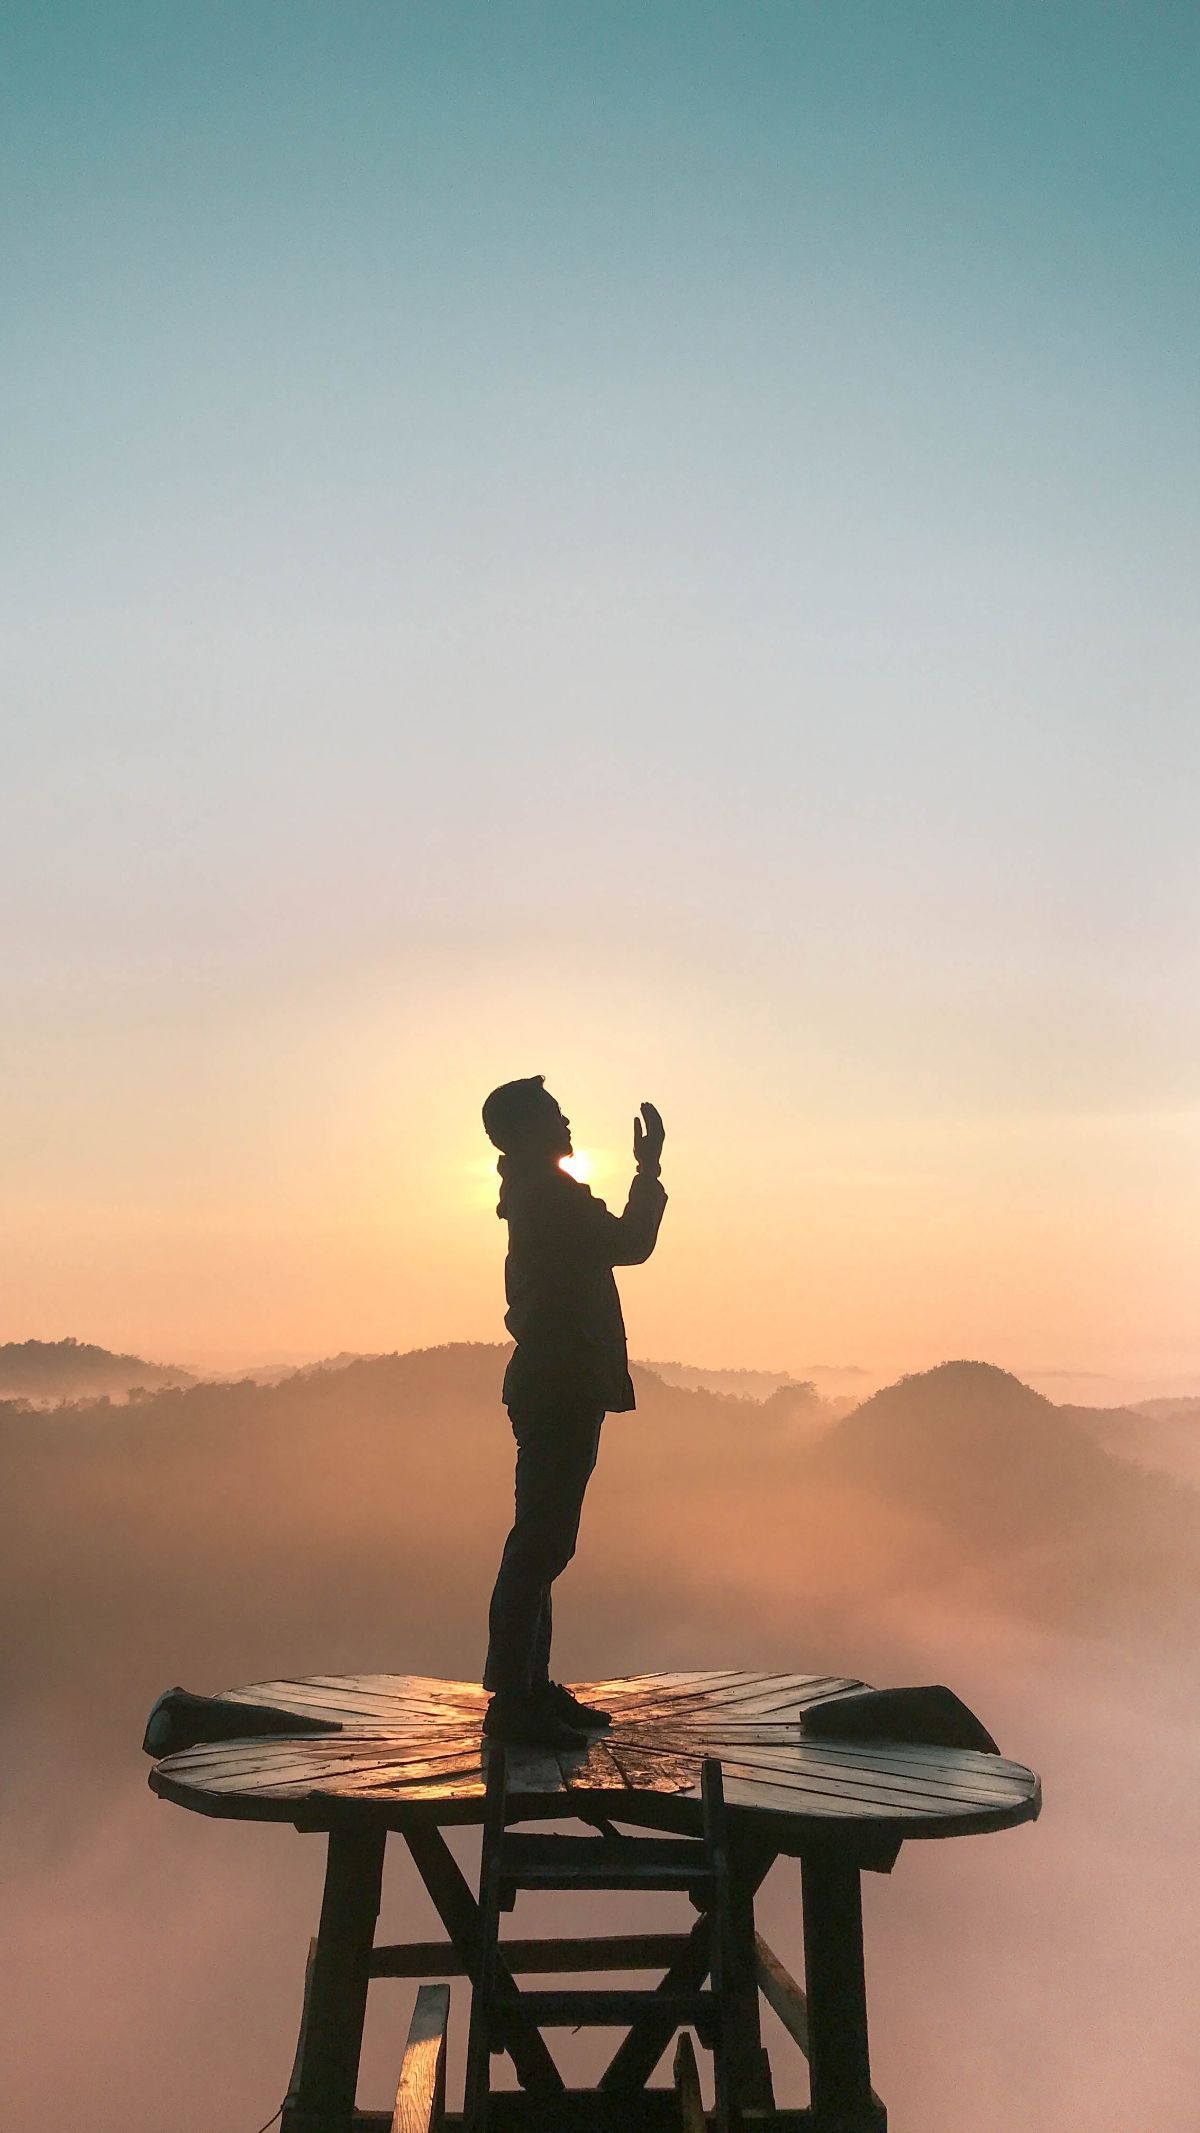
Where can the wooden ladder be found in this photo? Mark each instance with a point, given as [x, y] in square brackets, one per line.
[510, 1861]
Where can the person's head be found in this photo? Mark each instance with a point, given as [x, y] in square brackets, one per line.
[521, 1118]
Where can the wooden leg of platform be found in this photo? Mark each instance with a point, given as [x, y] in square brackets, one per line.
[750, 2067]
[325, 2077]
[835, 1984]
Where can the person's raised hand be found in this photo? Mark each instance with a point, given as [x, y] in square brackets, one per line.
[649, 1134]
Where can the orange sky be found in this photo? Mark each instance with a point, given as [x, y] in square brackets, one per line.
[311, 1176]
[658, 559]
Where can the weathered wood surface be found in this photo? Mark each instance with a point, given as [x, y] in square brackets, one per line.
[410, 1752]
[421, 2092]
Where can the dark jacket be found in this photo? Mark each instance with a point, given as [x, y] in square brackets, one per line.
[563, 1309]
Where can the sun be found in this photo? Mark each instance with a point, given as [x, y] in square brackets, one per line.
[578, 1166]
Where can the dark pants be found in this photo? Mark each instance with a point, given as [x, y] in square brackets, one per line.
[556, 1451]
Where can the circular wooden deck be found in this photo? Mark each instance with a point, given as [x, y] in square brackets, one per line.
[410, 1749]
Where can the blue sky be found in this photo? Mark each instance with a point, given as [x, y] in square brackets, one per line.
[681, 519]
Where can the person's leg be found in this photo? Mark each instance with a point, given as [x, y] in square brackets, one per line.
[539, 1664]
[556, 1454]
[577, 1448]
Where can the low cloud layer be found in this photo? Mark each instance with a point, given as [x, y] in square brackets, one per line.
[953, 1529]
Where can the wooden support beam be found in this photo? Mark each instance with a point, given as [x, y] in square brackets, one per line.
[749, 2064]
[785, 1998]
[325, 2076]
[459, 1913]
[635, 2060]
[687, 2086]
[597, 2009]
[550, 1958]
[843, 2100]
[293, 2087]
[421, 2093]
[781, 1993]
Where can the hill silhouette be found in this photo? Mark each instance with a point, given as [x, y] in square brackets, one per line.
[45, 1371]
[1162, 1436]
[955, 1527]
[971, 1441]
[356, 1510]
[1033, 1500]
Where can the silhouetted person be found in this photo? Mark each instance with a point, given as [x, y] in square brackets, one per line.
[568, 1370]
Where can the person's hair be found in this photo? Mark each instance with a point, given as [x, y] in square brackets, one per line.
[510, 1110]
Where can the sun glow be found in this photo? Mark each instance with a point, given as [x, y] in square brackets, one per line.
[578, 1166]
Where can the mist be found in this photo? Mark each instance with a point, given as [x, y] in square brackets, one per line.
[349, 1520]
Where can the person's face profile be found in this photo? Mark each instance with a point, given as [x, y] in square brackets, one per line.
[558, 1127]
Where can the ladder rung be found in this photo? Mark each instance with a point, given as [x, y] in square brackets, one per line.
[597, 1951]
[606, 2010]
[597, 1863]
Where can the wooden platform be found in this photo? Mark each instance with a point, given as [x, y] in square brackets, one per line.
[410, 1759]
[411, 1751]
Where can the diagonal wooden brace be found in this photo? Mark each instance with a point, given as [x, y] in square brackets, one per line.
[459, 1912]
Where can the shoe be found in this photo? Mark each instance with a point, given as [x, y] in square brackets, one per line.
[585, 1717]
[526, 1722]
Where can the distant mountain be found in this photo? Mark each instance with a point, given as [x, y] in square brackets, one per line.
[355, 1489]
[275, 1373]
[1034, 1502]
[1163, 1436]
[831, 1385]
[967, 1438]
[46, 1371]
[737, 1384]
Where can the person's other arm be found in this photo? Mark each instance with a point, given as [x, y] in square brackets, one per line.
[629, 1238]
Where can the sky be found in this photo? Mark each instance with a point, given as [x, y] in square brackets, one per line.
[648, 544]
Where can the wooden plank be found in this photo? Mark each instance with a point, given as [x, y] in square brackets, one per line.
[916, 1760]
[648, 1771]
[875, 1780]
[535, 1773]
[740, 1690]
[421, 2092]
[286, 1778]
[781, 1993]
[851, 1784]
[596, 2008]
[638, 1684]
[328, 1699]
[594, 1772]
[413, 1741]
[813, 1804]
[287, 2114]
[603, 1953]
[344, 1764]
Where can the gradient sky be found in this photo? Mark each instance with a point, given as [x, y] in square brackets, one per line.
[653, 544]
